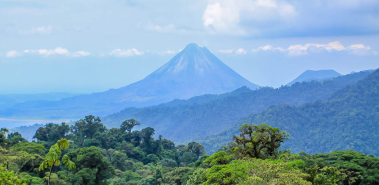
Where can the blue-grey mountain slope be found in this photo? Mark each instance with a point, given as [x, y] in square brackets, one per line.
[310, 75]
[192, 72]
[348, 120]
[202, 116]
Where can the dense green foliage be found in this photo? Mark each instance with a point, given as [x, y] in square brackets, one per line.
[9, 178]
[98, 155]
[186, 120]
[93, 155]
[360, 168]
[348, 120]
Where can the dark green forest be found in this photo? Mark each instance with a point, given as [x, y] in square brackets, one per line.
[89, 153]
[186, 120]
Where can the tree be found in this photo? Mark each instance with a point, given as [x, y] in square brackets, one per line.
[92, 166]
[86, 128]
[149, 145]
[51, 133]
[116, 158]
[257, 141]
[3, 138]
[218, 158]
[32, 148]
[14, 138]
[252, 171]
[16, 160]
[54, 157]
[177, 176]
[196, 148]
[188, 157]
[168, 145]
[128, 125]
[329, 176]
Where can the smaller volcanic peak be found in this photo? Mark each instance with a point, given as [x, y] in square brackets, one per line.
[310, 75]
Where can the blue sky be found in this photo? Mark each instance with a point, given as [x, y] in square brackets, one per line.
[90, 46]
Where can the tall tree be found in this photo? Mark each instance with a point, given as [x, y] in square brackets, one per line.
[87, 127]
[257, 141]
[128, 125]
[54, 157]
[196, 148]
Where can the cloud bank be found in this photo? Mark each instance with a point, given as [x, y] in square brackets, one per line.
[126, 52]
[47, 52]
[298, 49]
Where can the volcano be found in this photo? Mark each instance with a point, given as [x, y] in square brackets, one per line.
[192, 72]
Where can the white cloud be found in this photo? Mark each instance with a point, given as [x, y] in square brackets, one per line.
[48, 52]
[298, 49]
[361, 49]
[357, 49]
[81, 54]
[226, 51]
[125, 52]
[268, 48]
[241, 51]
[224, 16]
[12, 53]
[38, 30]
[359, 46]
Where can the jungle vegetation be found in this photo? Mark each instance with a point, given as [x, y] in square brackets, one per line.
[89, 153]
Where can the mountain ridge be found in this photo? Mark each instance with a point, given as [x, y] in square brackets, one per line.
[348, 120]
[184, 120]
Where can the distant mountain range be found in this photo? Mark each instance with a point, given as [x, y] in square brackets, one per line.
[310, 75]
[192, 72]
[8, 100]
[348, 120]
[186, 120]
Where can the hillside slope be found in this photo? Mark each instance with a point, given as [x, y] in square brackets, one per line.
[206, 115]
[349, 120]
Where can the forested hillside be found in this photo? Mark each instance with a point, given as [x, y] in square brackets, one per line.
[205, 115]
[87, 153]
[349, 120]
